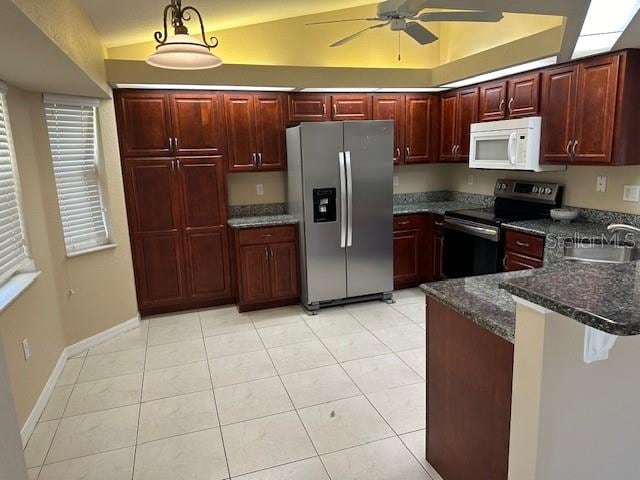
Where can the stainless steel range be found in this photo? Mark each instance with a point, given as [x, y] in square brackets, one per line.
[473, 238]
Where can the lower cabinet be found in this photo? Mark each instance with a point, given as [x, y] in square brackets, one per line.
[469, 380]
[409, 252]
[522, 251]
[437, 248]
[267, 267]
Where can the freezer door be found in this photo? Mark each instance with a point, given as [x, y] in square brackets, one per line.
[322, 153]
[369, 161]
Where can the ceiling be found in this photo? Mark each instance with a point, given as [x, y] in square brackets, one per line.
[122, 22]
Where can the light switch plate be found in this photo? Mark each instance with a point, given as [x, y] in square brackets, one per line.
[631, 193]
[601, 183]
[396, 181]
[260, 189]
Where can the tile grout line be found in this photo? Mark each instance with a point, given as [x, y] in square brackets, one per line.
[144, 365]
[215, 401]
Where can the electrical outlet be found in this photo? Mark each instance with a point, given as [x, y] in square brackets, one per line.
[631, 193]
[25, 349]
[396, 181]
[260, 189]
[470, 180]
[601, 183]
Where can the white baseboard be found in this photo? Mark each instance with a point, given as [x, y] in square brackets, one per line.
[68, 352]
[102, 337]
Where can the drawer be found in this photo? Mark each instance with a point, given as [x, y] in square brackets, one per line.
[253, 236]
[515, 261]
[408, 222]
[530, 245]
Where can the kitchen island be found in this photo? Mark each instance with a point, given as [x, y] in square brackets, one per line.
[510, 394]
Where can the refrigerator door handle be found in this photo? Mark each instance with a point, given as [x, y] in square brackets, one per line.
[343, 201]
[349, 200]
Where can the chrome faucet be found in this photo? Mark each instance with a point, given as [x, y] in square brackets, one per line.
[621, 227]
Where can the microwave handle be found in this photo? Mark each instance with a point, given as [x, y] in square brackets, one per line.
[512, 142]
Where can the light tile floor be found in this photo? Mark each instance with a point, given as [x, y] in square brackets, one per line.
[269, 395]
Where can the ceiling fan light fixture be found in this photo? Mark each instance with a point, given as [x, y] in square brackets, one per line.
[181, 51]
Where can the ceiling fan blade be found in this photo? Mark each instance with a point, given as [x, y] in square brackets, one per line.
[461, 17]
[346, 20]
[357, 34]
[419, 33]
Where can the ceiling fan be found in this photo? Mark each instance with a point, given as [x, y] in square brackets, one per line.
[403, 16]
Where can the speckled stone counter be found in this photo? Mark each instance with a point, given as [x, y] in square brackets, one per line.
[481, 300]
[603, 296]
[438, 207]
[261, 221]
[547, 226]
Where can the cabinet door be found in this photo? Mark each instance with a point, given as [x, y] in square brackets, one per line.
[351, 107]
[270, 132]
[407, 258]
[202, 189]
[144, 124]
[557, 106]
[514, 261]
[284, 270]
[493, 101]
[153, 208]
[198, 124]
[524, 96]
[467, 114]
[597, 94]
[420, 124]
[448, 119]
[241, 141]
[254, 274]
[305, 107]
[391, 107]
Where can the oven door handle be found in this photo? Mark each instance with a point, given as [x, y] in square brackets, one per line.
[488, 233]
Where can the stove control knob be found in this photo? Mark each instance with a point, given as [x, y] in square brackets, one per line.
[547, 191]
[534, 190]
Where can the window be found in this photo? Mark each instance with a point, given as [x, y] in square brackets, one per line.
[71, 123]
[14, 255]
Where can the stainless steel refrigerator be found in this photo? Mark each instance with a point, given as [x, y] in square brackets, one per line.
[340, 188]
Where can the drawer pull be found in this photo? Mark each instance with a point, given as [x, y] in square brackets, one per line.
[522, 244]
[406, 222]
[267, 235]
[438, 224]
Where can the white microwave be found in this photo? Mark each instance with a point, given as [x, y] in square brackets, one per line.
[508, 145]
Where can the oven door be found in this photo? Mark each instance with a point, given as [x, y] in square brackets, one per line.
[470, 248]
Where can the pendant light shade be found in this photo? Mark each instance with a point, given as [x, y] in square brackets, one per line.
[182, 51]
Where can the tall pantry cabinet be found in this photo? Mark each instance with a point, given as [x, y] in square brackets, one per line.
[172, 151]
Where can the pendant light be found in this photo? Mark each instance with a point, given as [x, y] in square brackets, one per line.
[181, 51]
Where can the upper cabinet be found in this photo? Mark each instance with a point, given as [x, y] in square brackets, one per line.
[350, 107]
[512, 98]
[589, 111]
[415, 125]
[169, 124]
[309, 107]
[255, 131]
[458, 110]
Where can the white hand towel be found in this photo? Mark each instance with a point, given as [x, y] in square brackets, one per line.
[597, 344]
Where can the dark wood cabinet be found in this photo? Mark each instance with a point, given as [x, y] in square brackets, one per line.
[391, 107]
[493, 101]
[410, 250]
[522, 251]
[469, 383]
[145, 124]
[309, 107]
[255, 131]
[558, 109]
[351, 107]
[267, 267]
[458, 110]
[198, 124]
[421, 127]
[437, 248]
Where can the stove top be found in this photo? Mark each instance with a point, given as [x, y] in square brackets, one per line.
[491, 216]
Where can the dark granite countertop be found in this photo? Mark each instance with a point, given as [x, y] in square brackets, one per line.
[578, 229]
[261, 221]
[602, 296]
[481, 299]
[438, 207]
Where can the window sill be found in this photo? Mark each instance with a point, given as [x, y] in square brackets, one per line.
[79, 253]
[13, 288]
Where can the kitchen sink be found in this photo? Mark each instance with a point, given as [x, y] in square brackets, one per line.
[601, 252]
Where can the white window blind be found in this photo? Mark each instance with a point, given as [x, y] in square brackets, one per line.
[71, 123]
[14, 257]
